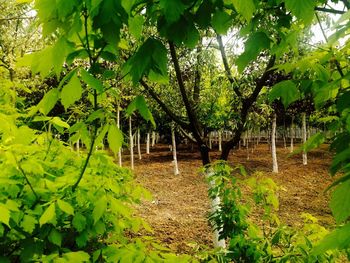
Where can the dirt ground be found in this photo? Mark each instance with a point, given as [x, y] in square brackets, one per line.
[180, 203]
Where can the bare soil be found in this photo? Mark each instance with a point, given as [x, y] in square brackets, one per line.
[178, 211]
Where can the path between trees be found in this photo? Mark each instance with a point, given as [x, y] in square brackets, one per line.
[179, 207]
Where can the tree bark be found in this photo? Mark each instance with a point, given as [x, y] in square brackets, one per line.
[215, 205]
[176, 168]
[292, 135]
[131, 142]
[273, 144]
[153, 138]
[139, 144]
[118, 125]
[147, 143]
[304, 137]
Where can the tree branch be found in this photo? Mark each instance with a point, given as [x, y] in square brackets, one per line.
[227, 68]
[194, 125]
[328, 10]
[165, 108]
[247, 104]
[197, 78]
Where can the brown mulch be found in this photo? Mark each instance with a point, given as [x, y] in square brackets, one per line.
[180, 203]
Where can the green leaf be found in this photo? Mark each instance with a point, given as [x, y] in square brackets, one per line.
[204, 12]
[4, 215]
[77, 257]
[340, 202]
[115, 138]
[79, 222]
[55, 237]
[139, 103]
[71, 92]
[324, 93]
[339, 239]
[57, 121]
[65, 7]
[340, 159]
[28, 223]
[59, 52]
[135, 25]
[343, 102]
[313, 142]
[253, 46]
[48, 101]
[172, 9]
[92, 81]
[286, 90]
[152, 55]
[302, 9]
[65, 207]
[245, 7]
[48, 215]
[99, 209]
[221, 22]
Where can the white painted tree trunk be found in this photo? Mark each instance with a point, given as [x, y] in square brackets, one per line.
[139, 144]
[273, 144]
[292, 135]
[215, 205]
[304, 137]
[147, 143]
[153, 138]
[131, 142]
[220, 140]
[118, 125]
[78, 146]
[247, 146]
[176, 168]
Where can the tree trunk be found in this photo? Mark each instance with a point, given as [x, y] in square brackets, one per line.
[292, 135]
[131, 142]
[139, 144]
[78, 146]
[220, 140]
[147, 143]
[118, 125]
[215, 205]
[176, 168]
[273, 144]
[210, 142]
[304, 137]
[153, 138]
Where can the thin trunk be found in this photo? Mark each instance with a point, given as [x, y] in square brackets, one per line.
[304, 138]
[176, 168]
[147, 143]
[118, 125]
[273, 144]
[153, 138]
[131, 141]
[247, 148]
[210, 142]
[78, 146]
[220, 140]
[139, 144]
[292, 135]
[215, 205]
